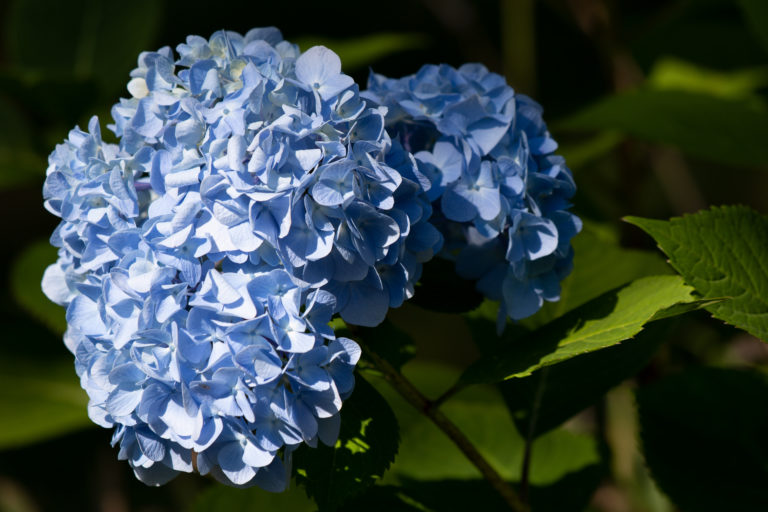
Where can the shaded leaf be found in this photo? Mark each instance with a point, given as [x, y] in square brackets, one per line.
[19, 164]
[367, 444]
[703, 434]
[39, 399]
[383, 498]
[603, 322]
[252, 499]
[89, 38]
[26, 274]
[480, 413]
[361, 52]
[722, 252]
[63, 97]
[756, 16]
[552, 397]
[571, 492]
[706, 126]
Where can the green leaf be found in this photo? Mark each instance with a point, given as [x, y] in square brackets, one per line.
[361, 52]
[722, 252]
[674, 74]
[603, 322]
[253, 499]
[89, 38]
[383, 498]
[600, 264]
[19, 164]
[26, 274]
[367, 445]
[63, 98]
[572, 492]
[579, 155]
[480, 413]
[39, 399]
[549, 398]
[703, 434]
[683, 119]
[756, 16]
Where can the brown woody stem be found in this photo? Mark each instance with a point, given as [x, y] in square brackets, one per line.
[414, 397]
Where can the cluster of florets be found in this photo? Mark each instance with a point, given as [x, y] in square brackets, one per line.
[252, 196]
[500, 195]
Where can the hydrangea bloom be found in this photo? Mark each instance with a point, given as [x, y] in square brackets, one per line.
[253, 195]
[501, 196]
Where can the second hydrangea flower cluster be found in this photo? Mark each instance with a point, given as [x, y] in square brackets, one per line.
[501, 194]
[253, 195]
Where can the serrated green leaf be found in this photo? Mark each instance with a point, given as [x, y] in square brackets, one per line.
[549, 398]
[367, 445]
[600, 264]
[26, 274]
[722, 252]
[683, 119]
[39, 400]
[253, 499]
[703, 434]
[603, 322]
[361, 52]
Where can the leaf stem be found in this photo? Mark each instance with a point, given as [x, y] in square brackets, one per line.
[534, 418]
[414, 397]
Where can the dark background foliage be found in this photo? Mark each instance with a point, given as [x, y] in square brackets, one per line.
[660, 108]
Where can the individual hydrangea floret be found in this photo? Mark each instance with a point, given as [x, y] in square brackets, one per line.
[252, 196]
[501, 196]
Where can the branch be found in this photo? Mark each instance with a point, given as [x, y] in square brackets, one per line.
[408, 391]
[534, 418]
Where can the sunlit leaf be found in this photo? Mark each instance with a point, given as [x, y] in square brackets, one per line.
[546, 399]
[676, 74]
[722, 252]
[603, 322]
[426, 454]
[367, 444]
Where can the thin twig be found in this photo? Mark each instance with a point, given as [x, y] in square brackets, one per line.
[408, 391]
[437, 402]
[532, 421]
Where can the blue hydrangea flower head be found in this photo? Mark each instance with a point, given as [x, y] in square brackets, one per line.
[253, 195]
[500, 194]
